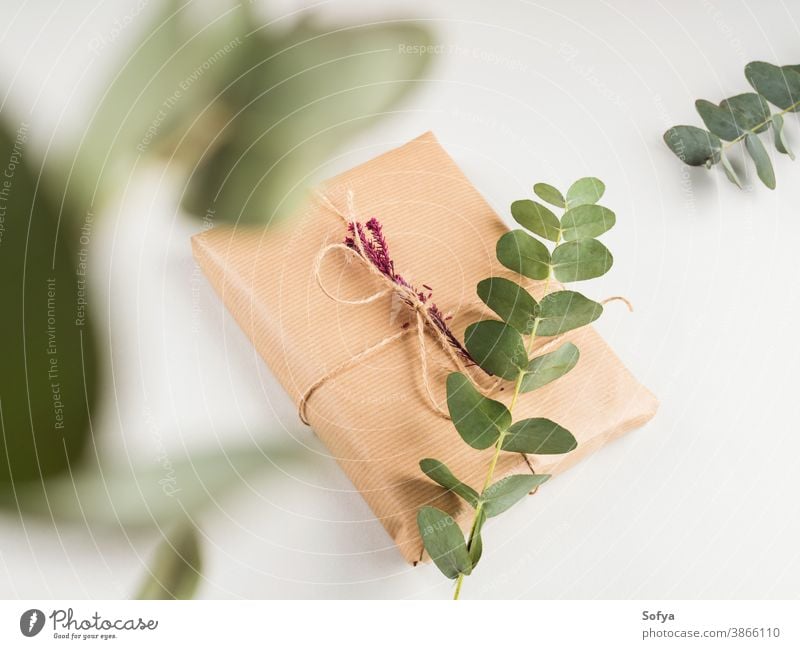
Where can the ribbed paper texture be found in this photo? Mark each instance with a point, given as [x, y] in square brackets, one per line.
[375, 418]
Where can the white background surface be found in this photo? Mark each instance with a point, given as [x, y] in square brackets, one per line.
[701, 503]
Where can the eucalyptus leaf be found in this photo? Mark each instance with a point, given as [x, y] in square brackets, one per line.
[563, 311]
[537, 218]
[750, 112]
[496, 347]
[520, 252]
[779, 86]
[444, 542]
[548, 367]
[586, 221]
[508, 491]
[582, 259]
[719, 121]
[510, 301]
[585, 191]
[49, 384]
[475, 548]
[549, 194]
[780, 139]
[694, 146]
[538, 436]
[755, 147]
[176, 568]
[440, 474]
[478, 419]
[730, 172]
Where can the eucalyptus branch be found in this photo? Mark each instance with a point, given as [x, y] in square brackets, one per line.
[499, 348]
[763, 124]
[741, 119]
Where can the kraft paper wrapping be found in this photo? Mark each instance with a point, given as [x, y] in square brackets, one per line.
[375, 418]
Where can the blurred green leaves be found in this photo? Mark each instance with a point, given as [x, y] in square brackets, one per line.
[142, 495]
[48, 375]
[248, 110]
[176, 568]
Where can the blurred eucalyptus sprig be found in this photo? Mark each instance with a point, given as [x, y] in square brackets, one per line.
[740, 119]
[500, 348]
[247, 109]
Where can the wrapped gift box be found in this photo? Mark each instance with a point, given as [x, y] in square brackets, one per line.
[375, 416]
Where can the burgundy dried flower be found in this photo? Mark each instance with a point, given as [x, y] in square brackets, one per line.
[375, 250]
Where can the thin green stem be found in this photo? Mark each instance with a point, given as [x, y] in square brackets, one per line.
[760, 124]
[498, 447]
[459, 582]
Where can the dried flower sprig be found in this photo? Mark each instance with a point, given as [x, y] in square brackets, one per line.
[372, 246]
[499, 347]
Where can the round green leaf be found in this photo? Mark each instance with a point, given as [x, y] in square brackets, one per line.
[520, 252]
[444, 542]
[549, 194]
[510, 301]
[718, 121]
[439, 473]
[755, 147]
[582, 259]
[548, 367]
[750, 111]
[538, 436]
[694, 146]
[478, 419]
[497, 348]
[562, 311]
[508, 491]
[780, 86]
[585, 191]
[586, 221]
[537, 218]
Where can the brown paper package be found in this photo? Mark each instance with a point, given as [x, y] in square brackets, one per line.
[375, 417]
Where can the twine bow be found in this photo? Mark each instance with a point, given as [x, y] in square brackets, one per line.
[421, 309]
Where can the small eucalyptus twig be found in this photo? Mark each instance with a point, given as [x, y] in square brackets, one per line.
[740, 119]
[499, 347]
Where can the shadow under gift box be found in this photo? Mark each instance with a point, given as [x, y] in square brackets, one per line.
[375, 417]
